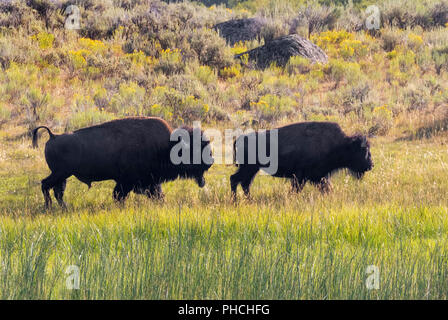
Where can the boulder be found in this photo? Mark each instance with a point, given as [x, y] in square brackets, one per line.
[240, 29]
[283, 48]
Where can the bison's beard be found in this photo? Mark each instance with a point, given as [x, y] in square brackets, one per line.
[357, 174]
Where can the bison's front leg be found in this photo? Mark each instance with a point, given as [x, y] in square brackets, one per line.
[247, 178]
[121, 191]
[155, 192]
[325, 185]
[245, 175]
[246, 185]
[297, 184]
[234, 182]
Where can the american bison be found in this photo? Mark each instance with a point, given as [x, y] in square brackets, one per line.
[135, 152]
[308, 151]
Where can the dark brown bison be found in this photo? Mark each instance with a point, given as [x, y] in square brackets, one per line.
[308, 151]
[135, 152]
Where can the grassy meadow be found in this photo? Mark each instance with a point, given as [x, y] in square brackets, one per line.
[197, 243]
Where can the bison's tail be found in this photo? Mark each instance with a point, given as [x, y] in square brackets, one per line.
[35, 137]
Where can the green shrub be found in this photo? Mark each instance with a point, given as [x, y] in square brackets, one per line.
[391, 38]
[174, 106]
[424, 60]
[45, 40]
[439, 13]
[410, 14]
[414, 41]
[402, 66]
[405, 61]
[273, 30]
[415, 99]
[86, 118]
[272, 108]
[320, 113]
[14, 14]
[381, 120]
[18, 78]
[188, 85]
[129, 100]
[100, 98]
[205, 74]
[320, 18]
[440, 97]
[398, 13]
[100, 21]
[5, 114]
[170, 62]
[276, 82]
[351, 98]
[339, 70]
[182, 26]
[17, 47]
[47, 11]
[35, 104]
[209, 48]
[230, 72]
[351, 19]
[440, 57]
[298, 65]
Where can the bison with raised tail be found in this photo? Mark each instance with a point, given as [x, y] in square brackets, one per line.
[302, 152]
[135, 152]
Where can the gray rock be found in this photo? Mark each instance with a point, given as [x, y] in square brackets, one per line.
[240, 29]
[283, 48]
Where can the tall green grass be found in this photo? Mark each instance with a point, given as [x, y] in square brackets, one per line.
[198, 245]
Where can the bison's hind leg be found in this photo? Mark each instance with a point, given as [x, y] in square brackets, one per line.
[53, 180]
[121, 191]
[58, 190]
[46, 192]
[152, 191]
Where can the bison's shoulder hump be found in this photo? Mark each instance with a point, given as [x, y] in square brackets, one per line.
[313, 127]
[324, 128]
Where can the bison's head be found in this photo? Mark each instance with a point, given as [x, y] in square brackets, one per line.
[360, 158]
[191, 153]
